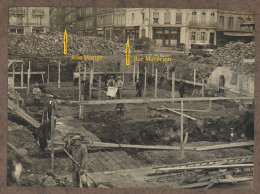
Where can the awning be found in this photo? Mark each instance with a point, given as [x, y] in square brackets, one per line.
[238, 34]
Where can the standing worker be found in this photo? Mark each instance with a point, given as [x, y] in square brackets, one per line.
[119, 85]
[111, 88]
[139, 88]
[181, 89]
[79, 153]
[37, 94]
[51, 106]
[76, 78]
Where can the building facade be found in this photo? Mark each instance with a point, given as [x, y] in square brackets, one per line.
[230, 26]
[24, 20]
[87, 21]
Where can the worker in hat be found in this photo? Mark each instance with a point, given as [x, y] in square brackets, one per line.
[51, 106]
[111, 82]
[119, 85]
[36, 94]
[79, 153]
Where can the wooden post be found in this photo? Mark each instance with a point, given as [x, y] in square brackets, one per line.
[152, 69]
[194, 76]
[42, 78]
[182, 146]
[91, 80]
[22, 76]
[134, 74]
[80, 111]
[186, 137]
[123, 78]
[155, 84]
[137, 71]
[167, 73]
[173, 84]
[145, 110]
[210, 105]
[59, 76]
[79, 83]
[99, 87]
[203, 88]
[52, 140]
[28, 78]
[48, 80]
[85, 72]
[13, 73]
[145, 78]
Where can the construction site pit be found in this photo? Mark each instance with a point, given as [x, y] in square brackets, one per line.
[140, 125]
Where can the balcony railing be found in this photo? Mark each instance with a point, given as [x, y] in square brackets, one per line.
[17, 10]
[237, 28]
[203, 24]
[38, 12]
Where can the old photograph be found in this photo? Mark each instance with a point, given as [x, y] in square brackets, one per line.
[130, 98]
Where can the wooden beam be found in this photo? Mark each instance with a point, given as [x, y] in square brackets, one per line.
[145, 79]
[180, 113]
[203, 88]
[167, 72]
[186, 137]
[194, 76]
[203, 167]
[99, 87]
[48, 80]
[134, 74]
[85, 72]
[155, 84]
[33, 72]
[59, 76]
[22, 76]
[149, 100]
[152, 147]
[182, 148]
[173, 84]
[52, 140]
[223, 146]
[138, 71]
[28, 78]
[79, 82]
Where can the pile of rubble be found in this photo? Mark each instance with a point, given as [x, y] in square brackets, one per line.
[52, 45]
[231, 54]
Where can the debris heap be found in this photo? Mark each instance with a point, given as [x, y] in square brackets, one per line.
[231, 54]
[51, 45]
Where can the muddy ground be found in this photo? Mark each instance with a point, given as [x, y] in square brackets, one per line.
[102, 121]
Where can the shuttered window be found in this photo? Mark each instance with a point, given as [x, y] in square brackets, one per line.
[178, 18]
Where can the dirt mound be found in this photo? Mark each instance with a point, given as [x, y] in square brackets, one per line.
[24, 139]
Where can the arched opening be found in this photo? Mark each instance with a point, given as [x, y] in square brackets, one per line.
[221, 81]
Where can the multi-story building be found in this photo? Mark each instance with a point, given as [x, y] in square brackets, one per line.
[87, 21]
[230, 26]
[23, 20]
[105, 23]
[70, 19]
[202, 24]
[56, 19]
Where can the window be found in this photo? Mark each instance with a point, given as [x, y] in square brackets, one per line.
[132, 18]
[203, 17]
[193, 36]
[203, 36]
[156, 17]
[19, 20]
[38, 20]
[194, 16]
[212, 18]
[178, 18]
[167, 18]
[230, 22]
[221, 21]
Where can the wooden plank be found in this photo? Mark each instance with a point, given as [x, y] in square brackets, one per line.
[114, 145]
[195, 185]
[173, 84]
[189, 117]
[223, 146]
[155, 84]
[203, 167]
[23, 114]
[145, 80]
[149, 100]
[134, 74]
[235, 180]
[33, 72]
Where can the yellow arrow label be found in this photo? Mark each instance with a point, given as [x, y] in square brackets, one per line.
[65, 41]
[127, 53]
